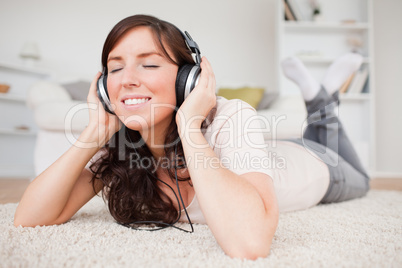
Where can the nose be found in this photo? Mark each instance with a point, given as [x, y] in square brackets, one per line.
[130, 78]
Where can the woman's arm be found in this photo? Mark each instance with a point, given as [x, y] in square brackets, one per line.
[63, 188]
[241, 211]
[57, 193]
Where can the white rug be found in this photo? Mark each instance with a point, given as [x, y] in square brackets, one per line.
[365, 232]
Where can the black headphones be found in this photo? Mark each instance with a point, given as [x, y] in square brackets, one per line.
[187, 77]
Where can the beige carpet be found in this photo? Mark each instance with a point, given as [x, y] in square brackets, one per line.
[365, 232]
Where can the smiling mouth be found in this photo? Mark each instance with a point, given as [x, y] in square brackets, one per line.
[135, 101]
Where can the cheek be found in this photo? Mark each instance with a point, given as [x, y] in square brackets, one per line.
[171, 91]
[112, 87]
[166, 87]
[172, 84]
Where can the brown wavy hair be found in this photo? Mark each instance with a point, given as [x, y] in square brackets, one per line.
[132, 193]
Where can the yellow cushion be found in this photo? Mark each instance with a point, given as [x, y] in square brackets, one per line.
[251, 95]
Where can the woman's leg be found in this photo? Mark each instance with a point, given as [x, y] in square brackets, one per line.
[324, 127]
[329, 140]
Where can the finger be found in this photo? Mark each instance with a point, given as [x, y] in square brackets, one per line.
[208, 75]
[93, 100]
[208, 68]
[93, 87]
[204, 77]
[211, 76]
[207, 64]
[212, 84]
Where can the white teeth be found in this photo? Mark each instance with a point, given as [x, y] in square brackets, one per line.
[135, 101]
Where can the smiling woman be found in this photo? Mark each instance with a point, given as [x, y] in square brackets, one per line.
[141, 79]
[139, 65]
[151, 147]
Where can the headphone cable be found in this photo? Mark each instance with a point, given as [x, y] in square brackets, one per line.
[166, 225]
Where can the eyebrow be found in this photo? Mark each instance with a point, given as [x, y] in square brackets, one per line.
[142, 55]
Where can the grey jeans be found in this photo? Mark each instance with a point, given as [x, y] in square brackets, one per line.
[326, 137]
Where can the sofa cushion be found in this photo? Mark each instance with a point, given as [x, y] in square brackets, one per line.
[267, 100]
[78, 90]
[250, 95]
[45, 92]
[285, 118]
[67, 116]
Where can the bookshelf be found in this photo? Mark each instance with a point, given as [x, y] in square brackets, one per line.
[17, 126]
[343, 26]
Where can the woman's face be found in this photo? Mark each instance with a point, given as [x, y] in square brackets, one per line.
[141, 82]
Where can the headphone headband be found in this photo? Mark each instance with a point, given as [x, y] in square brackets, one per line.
[191, 44]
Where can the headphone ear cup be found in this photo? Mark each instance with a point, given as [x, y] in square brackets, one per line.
[181, 81]
[186, 80]
[103, 95]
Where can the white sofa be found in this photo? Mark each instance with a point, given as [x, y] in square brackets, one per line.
[286, 117]
[60, 119]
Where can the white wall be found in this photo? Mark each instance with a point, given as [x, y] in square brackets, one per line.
[236, 35]
[388, 68]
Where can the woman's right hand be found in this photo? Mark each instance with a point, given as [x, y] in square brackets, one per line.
[65, 186]
[104, 123]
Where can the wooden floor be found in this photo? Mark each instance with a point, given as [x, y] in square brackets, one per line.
[11, 190]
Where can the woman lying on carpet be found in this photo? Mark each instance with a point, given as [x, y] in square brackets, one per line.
[213, 145]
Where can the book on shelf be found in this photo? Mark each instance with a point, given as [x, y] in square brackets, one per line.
[347, 83]
[359, 81]
[366, 86]
[296, 9]
[288, 13]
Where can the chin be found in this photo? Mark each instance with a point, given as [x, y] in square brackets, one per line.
[136, 124]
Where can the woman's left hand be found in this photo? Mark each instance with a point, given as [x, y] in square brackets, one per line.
[199, 102]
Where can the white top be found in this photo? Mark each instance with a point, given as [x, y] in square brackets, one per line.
[300, 178]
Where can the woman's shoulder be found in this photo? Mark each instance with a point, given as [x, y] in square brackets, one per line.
[231, 107]
[234, 113]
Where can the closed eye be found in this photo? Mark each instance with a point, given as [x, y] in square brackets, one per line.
[115, 70]
[151, 66]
